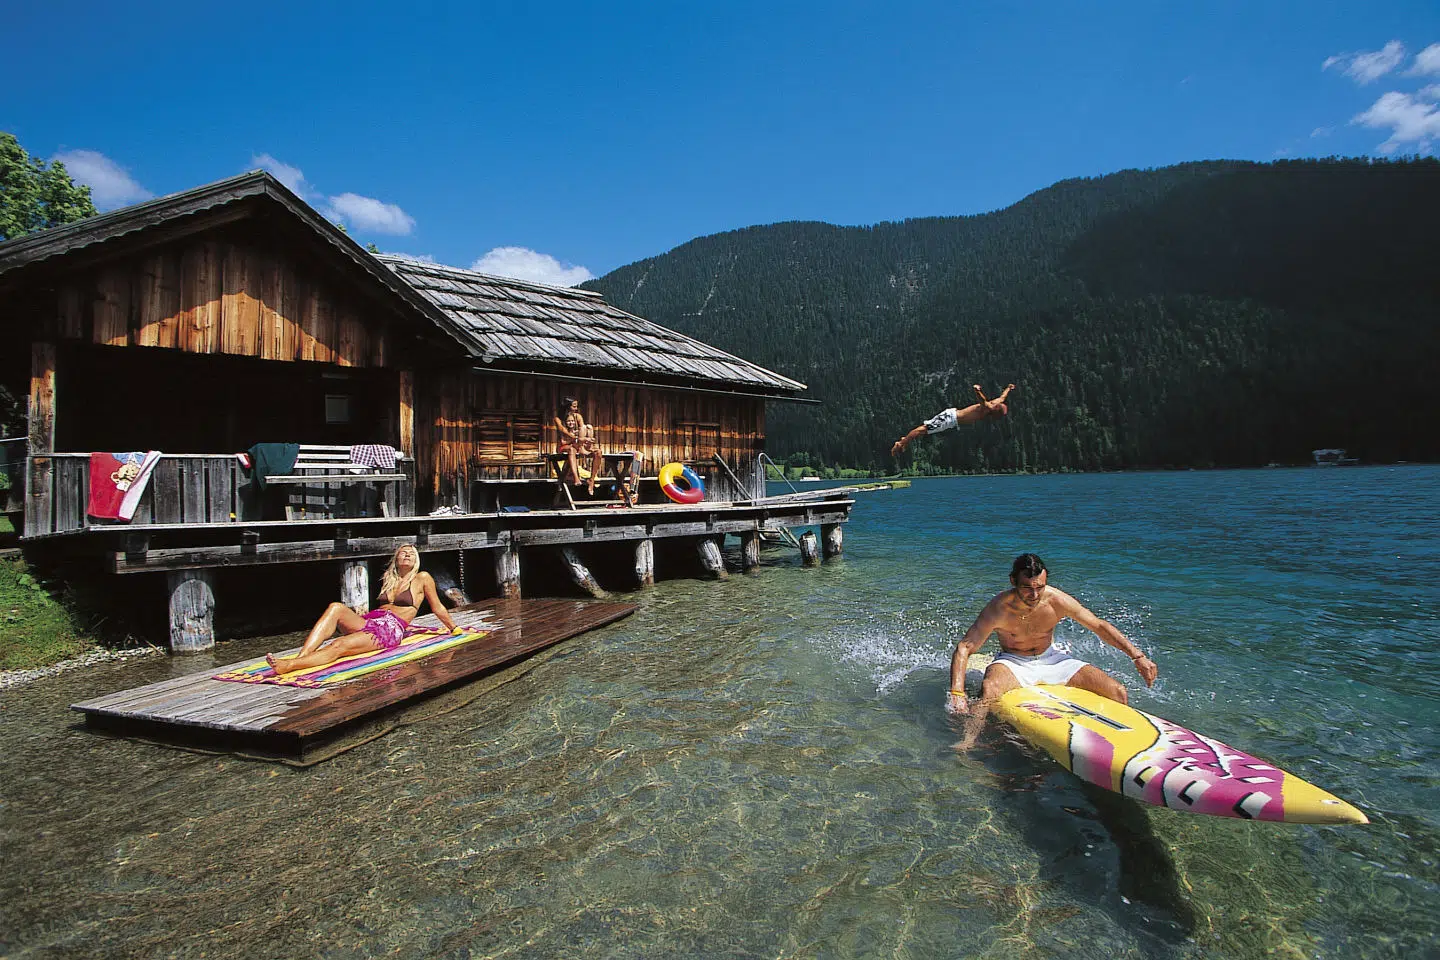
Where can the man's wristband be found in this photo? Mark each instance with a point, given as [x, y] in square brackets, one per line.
[1138, 657]
[957, 693]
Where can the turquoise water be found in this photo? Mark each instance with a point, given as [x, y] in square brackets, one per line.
[761, 767]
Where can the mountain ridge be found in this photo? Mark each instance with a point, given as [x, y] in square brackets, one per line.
[1167, 317]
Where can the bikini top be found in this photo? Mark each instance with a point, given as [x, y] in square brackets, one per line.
[405, 599]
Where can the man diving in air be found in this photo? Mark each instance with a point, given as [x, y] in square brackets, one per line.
[952, 417]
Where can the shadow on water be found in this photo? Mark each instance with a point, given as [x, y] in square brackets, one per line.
[1100, 847]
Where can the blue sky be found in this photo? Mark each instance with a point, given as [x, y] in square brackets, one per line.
[561, 140]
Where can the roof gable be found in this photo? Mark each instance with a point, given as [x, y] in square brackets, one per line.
[517, 323]
[194, 211]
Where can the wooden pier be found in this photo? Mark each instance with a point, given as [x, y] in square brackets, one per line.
[288, 722]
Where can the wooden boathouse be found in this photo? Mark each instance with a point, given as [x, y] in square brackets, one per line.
[201, 324]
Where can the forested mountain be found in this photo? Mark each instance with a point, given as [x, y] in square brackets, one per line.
[1208, 314]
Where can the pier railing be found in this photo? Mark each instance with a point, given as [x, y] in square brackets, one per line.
[188, 488]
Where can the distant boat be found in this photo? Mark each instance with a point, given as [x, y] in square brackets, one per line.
[1333, 457]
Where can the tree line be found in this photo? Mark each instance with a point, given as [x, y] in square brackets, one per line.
[1207, 314]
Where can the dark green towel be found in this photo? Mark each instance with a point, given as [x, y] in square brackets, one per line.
[271, 459]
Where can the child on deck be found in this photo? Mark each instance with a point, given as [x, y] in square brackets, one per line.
[577, 440]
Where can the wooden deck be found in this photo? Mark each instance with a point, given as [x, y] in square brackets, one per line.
[287, 721]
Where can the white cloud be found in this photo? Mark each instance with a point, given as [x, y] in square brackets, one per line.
[1431, 92]
[367, 213]
[1427, 62]
[1321, 132]
[525, 264]
[1409, 119]
[292, 177]
[1369, 66]
[110, 184]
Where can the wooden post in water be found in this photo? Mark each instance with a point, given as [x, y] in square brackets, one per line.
[711, 558]
[750, 550]
[355, 585]
[507, 571]
[192, 610]
[645, 563]
[832, 539]
[809, 549]
[581, 574]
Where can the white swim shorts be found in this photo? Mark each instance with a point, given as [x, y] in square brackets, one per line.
[942, 421]
[1053, 666]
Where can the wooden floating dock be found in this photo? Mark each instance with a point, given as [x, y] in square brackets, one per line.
[289, 721]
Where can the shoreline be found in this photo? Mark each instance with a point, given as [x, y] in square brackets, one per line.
[1062, 473]
[10, 679]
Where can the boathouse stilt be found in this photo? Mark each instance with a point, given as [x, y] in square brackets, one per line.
[832, 540]
[809, 549]
[507, 571]
[355, 585]
[711, 558]
[645, 563]
[581, 574]
[192, 610]
[750, 550]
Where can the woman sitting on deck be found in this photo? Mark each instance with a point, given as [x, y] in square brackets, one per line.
[577, 440]
[403, 588]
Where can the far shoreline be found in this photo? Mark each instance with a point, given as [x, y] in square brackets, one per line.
[877, 478]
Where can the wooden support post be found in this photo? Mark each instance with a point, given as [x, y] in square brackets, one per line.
[40, 479]
[192, 610]
[833, 539]
[645, 563]
[750, 550]
[711, 558]
[355, 585]
[407, 413]
[507, 571]
[809, 549]
[446, 582]
[582, 576]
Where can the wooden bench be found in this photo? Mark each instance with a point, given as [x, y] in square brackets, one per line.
[323, 465]
[617, 465]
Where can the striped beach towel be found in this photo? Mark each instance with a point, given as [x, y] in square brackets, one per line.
[412, 648]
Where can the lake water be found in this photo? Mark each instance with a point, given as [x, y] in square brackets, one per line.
[761, 767]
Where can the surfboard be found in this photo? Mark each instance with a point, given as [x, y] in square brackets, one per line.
[1159, 762]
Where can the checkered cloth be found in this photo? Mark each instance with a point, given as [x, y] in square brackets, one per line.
[378, 455]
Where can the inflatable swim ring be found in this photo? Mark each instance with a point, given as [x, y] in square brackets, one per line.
[693, 490]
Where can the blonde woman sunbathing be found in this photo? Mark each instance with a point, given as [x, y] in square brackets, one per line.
[403, 588]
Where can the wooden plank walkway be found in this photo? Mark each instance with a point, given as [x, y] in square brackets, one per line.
[288, 720]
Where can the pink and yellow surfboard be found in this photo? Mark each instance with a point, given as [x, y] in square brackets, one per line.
[1155, 761]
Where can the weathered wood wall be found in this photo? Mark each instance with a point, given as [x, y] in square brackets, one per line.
[229, 295]
[462, 433]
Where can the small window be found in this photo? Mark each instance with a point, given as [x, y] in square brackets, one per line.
[508, 435]
[337, 408]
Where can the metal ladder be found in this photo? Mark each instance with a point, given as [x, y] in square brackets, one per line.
[780, 534]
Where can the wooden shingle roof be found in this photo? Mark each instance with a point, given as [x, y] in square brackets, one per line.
[517, 324]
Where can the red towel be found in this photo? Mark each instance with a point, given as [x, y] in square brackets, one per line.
[116, 482]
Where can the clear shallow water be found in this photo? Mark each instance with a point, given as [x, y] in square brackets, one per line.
[761, 768]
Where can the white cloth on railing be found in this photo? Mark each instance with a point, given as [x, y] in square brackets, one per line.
[378, 455]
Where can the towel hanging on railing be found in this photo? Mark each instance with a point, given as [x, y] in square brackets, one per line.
[116, 482]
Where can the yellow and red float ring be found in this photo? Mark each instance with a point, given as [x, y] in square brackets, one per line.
[672, 475]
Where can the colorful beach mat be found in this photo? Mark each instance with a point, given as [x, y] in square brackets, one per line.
[348, 668]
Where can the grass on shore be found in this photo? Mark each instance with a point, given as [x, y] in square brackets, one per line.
[36, 629]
